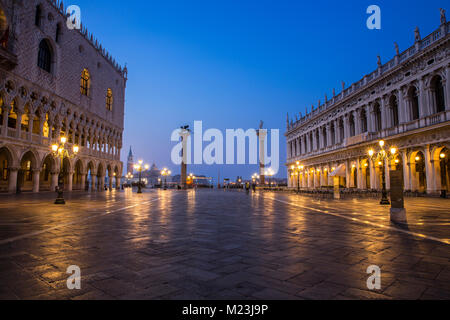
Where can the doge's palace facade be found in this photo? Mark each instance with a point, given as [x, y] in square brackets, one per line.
[56, 82]
[405, 102]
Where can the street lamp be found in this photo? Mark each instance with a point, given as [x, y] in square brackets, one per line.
[165, 173]
[139, 167]
[381, 157]
[270, 173]
[296, 170]
[58, 151]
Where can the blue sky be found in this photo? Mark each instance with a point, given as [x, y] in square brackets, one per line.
[233, 63]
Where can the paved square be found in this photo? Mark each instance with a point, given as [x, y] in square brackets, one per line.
[216, 244]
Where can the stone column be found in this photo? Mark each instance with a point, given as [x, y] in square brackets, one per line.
[93, 182]
[429, 171]
[336, 132]
[359, 178]
[83, 182]
[110, 180]
[347, 174]
[373, 175]
[424, 108]
[19, 124]
[357, 118]
[406, 170]
[36, 176]
[371, 121]
[30, 126]
[384, 113]
[54, 180]
[12, 181]
[387, 168]
[117, 182]
[403, 111]
[346, 127]
[262, 134]
[69, 181]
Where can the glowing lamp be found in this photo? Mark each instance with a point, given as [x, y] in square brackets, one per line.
[382, 143]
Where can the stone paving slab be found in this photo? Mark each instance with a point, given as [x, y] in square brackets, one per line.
[216, 244]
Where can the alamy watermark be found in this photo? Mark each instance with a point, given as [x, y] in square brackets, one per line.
[231, 150]
[374, 280]
[74, 280]
[374, 21]
[73, 13]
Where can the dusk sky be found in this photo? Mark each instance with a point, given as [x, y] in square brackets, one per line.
[234, 63]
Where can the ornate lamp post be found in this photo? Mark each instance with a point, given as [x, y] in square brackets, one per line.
[381, 157]
[269, 173]
[138, 167]
[59, 151]
[296, 171]
[165, 173]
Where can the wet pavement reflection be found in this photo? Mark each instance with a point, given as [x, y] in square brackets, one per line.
[217, 244]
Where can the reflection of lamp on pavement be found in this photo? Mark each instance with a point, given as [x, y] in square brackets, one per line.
[59, 151]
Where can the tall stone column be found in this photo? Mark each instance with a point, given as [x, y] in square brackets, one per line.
[403, 111]
[36, 176]
[12, 181]
[262, 134]
[117, 182]
[336, 132]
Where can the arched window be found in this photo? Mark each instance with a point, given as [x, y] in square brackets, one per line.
[109, 100]
[414, 100]
[85, 82]
[45, 56]
[394, 110]
[438, 92]
[363, 121]
[352, 125]
[311, 142]
[377, 114]
[12, 117]
[38, 16]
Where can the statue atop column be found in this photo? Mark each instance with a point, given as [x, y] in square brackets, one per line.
[417, 34]
[379, 61]
[443, 18]
[397, 50]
